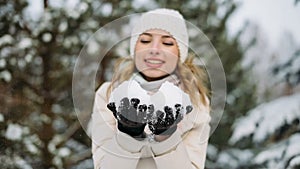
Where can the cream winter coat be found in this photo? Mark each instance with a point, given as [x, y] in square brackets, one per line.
[112, 149]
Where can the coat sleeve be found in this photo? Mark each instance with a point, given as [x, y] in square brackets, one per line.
[108, 146]
[188, 149]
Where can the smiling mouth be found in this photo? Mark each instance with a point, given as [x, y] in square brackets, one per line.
[154, 61]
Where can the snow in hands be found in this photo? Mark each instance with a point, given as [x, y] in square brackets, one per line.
[162, 111]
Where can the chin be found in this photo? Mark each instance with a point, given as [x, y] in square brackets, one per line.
[154, 74]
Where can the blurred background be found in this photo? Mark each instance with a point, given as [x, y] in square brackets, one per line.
[258, 43]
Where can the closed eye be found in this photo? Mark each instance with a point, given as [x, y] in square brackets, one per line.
[168, 40]
[144, 41]
[168, 43]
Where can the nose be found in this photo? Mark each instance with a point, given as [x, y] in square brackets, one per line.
[155, 47]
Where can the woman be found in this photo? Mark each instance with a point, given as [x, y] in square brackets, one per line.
[133, 133]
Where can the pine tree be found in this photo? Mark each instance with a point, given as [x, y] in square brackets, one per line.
[37, 61]
[268, 135]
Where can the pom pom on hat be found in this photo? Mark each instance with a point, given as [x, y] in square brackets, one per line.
[168, 20]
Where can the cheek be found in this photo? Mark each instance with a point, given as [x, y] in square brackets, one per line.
[139, 63]
[172, 65]
[172, 60]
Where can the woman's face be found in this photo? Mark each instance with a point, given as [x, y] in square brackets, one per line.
[156, 54]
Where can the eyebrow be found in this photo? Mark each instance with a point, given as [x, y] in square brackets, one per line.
[163, 36]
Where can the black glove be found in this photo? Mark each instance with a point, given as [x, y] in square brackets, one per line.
[165, 122]
[131, 116]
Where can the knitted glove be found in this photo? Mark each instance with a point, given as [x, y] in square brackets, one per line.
[131, 116]
[165, 122]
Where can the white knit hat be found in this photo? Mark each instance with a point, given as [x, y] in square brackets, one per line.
[165, 19]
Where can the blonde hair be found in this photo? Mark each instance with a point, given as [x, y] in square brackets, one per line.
[191, 76]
